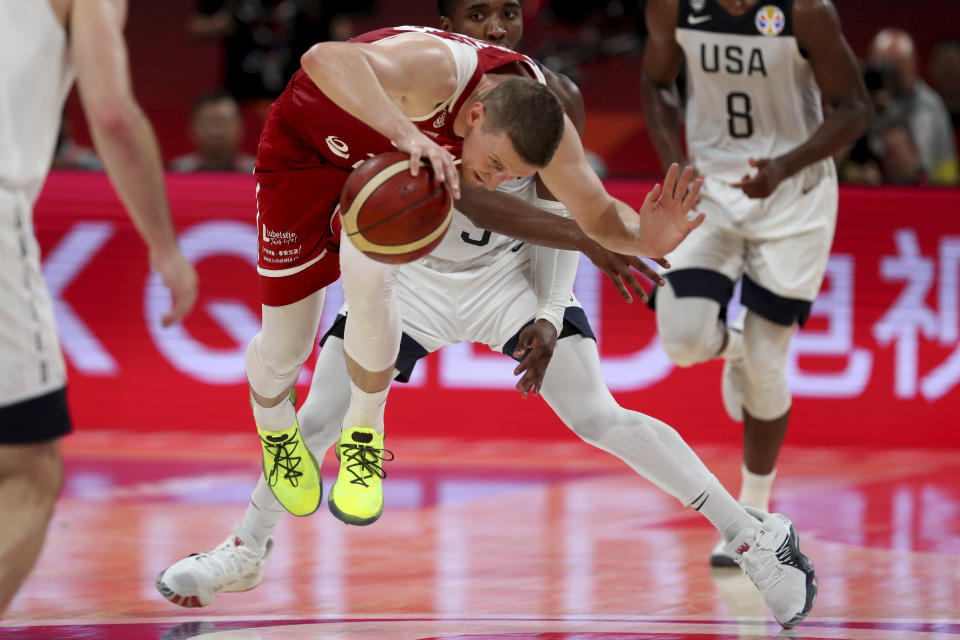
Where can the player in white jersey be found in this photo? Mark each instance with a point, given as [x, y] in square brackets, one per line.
[44, 45]
[485, 288]
[756, 73]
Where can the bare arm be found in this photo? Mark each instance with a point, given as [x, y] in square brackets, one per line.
[817, 28]
[659, 226]
[502, 213]
[570, 97]
[384, 84]
[125, 140]
[662, 58]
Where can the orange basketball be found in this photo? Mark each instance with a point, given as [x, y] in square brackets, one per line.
[391, 215]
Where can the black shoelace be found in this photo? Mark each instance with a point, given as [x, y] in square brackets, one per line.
[364, 461]
[282, 448]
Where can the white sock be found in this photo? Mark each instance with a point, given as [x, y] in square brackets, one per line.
[725, 513]
[366, 408]
[276, 418]
[262, 516]
[755, 488]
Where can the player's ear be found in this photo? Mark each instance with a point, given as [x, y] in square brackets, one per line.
[475, 114]
[445, 23]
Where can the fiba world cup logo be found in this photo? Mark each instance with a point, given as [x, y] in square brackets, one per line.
[770, 20]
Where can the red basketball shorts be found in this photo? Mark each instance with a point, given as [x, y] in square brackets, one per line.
[298, 232]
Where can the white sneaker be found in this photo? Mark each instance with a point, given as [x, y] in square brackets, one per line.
[232, 566]
[733, 379]
[719, 557]
[770, 556]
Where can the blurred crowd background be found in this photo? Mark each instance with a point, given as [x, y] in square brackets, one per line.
[207, 70]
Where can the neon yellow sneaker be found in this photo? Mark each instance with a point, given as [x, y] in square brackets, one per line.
[357, 495]
[291, 471]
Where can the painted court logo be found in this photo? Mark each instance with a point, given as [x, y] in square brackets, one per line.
[770, 20]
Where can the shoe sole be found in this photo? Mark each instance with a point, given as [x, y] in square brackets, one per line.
[806, 565]
[189, 602]
[346, 517]
[723, 561]
[194, 601]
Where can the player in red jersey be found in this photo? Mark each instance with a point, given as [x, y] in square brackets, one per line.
[433, 95]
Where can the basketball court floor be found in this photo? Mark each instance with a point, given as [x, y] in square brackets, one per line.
[503, 540]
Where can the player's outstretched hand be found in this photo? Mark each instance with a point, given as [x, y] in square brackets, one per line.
[537, 341]
[770, 173]
[420, 147]
[620, 267]
[663, 217]
[180, 278]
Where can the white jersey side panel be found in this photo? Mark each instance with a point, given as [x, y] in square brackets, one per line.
[748, 96]
[35, 78]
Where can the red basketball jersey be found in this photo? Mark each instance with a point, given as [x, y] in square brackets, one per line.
[306, 129]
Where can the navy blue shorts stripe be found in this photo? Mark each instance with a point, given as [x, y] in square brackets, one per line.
[701, 283]
[574, 323]
[777, 309]
[35, 420]
[704, 283]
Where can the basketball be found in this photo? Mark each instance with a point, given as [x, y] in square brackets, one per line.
[393, 216]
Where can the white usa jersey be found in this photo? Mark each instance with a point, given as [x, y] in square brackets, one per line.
[751, 92]
[35, 78]
[467, 246]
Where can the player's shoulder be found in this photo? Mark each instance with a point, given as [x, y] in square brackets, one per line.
[813, 11]
[814, 21]
[812, 6]
[565, 88]
[425, 37]
[661, 15]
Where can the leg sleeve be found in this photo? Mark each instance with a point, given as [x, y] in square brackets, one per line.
[689, 326]
[574, 389]
[372, 334]
[285, 341]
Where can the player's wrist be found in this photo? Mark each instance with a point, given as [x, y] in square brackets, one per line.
[552, 315]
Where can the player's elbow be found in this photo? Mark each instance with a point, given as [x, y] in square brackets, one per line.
[861, 116]
[113, 115]
[653, 85]
[857, 115]
[319, 56]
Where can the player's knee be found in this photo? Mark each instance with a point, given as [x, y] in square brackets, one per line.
[768, 401]
[592, 426]
[588, 429]
[685, 349]
[767, 346]
[767, 392]
[38, 471]
[270, 372]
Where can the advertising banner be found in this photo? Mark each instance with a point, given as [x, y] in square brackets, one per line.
[878, 363]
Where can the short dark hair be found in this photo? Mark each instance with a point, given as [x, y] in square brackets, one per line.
[212, 97]
[445, 8]
[531, 116]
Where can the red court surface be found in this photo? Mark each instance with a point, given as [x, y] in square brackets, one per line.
[498, 539]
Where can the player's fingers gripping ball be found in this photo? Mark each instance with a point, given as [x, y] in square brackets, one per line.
[393, 216]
